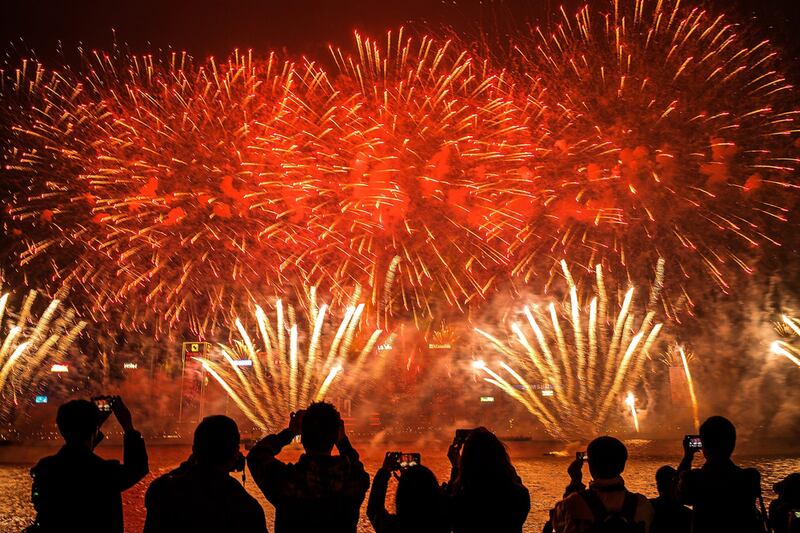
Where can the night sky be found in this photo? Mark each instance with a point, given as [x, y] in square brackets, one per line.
[207, 27]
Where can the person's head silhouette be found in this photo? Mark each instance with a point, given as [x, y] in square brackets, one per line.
[665, 481]
[320, 428]
[79, 422]
[418, 498]
[719, 437]
[216, 442]
[607, 457]
[484, 461]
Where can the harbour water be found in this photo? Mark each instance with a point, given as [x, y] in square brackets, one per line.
[543, 472]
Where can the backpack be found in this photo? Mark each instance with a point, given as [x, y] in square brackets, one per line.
[605, 521]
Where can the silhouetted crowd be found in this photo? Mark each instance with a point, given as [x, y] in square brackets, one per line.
[76, 490]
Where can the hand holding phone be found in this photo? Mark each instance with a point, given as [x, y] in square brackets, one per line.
[296, 422]
[122, 413]
[462, 435]
[575, 468]
[399, 461]
[692, 443]
[454, 451]
[104, 405]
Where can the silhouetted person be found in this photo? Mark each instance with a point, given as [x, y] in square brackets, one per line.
[670, 515]
[722, 495]
[784, 511]
[606, 505]
[419, 502]
[321, 492]
[77, 490]
[486, 494]
[200, 495]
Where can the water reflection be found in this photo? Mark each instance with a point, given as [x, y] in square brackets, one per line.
[545, 477]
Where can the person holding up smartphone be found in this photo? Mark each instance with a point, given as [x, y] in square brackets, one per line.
[419, 502]
[77, 490]
[484, 490]
[321, 491]
[723, 495]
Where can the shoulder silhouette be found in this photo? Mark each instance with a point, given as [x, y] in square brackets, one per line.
[723, 496]
[485, 492]
[200, 495]
[77, 490]
[419, 500]
[321, 492]
[606, 506]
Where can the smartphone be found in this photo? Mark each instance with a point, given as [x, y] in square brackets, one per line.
[103, 403]
[462, 435]
[581, 456]
[695, 442]
[403, 461]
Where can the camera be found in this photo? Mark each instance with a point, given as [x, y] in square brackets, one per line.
[695, 442]
[402, 461]
[581, 456]
[462, 435]
[103, 403]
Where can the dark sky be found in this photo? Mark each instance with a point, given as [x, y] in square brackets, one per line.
[206, 27]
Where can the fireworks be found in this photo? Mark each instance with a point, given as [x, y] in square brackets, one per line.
[784, 348]
[29, 344]
[180, 186]
[294, 362]
[677, 357]
[587, 364]
[171, 190]
[172, 184]
[630, 401]
[671, 134]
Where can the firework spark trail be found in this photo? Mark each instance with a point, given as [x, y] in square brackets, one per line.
[29, 342]
[630, 401]
[786, 349]
[578, 406]
[692, 394]
[290, 377]
[790, 353]
[671, 132]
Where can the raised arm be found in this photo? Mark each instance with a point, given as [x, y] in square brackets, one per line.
[575, 471]
[359, 479]
[266, 469]
[378, 516]
[135, 463]
[453, 455]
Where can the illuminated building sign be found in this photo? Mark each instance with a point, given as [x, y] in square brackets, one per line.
[434, 346]
[487, 399]
[130, 366]
[548, 392]
[194, 349]
[59, 368]
[242, 362]
[40, 399]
